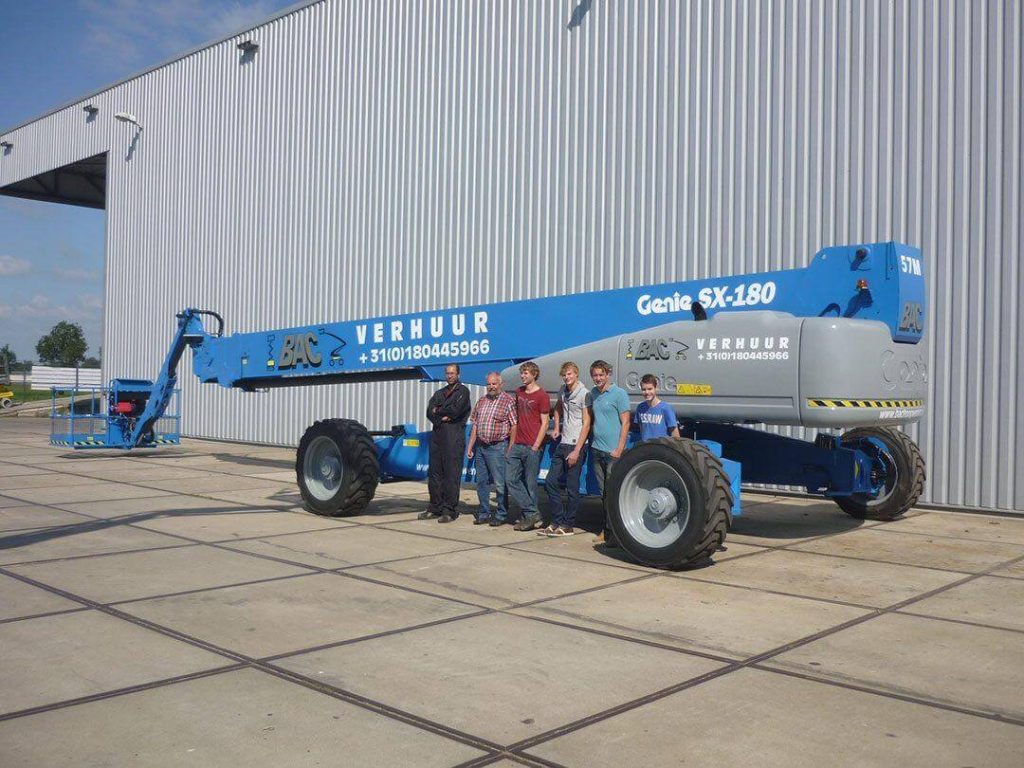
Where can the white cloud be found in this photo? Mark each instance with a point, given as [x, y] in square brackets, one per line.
[132, 34]
[10, 266]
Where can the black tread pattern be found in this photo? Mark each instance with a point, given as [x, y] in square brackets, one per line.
[360, 453]
[717, 494]
[902, 443]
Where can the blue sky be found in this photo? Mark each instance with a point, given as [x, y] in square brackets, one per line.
[52, 52]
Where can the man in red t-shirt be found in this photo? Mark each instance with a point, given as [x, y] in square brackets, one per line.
[533, 407]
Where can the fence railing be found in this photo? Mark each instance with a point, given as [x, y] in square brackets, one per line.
[46, 377]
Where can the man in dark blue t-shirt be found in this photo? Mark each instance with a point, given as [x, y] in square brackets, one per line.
[654, 417]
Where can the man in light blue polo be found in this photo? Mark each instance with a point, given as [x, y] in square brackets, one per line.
[609, 408]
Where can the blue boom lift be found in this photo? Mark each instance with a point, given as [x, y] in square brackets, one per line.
[834, 345]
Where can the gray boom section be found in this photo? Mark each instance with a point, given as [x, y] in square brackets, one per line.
[762, 367]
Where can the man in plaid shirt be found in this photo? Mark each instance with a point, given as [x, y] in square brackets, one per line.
[494, 424]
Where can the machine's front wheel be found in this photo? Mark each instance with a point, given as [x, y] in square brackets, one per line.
[898, 471]
[6, 402]
[337, 468]
[668, 502]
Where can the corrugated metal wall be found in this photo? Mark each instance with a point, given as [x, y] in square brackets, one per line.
[385, 156]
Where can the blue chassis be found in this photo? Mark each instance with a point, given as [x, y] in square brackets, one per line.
[880, 281]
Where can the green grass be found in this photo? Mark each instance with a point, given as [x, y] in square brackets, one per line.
[23, 394]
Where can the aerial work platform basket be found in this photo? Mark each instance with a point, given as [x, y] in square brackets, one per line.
[102, 417]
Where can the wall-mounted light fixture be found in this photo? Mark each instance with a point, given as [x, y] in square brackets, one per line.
[248, 46]
[127, 117]
[6, 146]
[90, 109]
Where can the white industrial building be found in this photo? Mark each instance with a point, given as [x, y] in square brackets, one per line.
[349, 158]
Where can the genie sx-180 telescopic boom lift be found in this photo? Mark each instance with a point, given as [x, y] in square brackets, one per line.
[835, 345]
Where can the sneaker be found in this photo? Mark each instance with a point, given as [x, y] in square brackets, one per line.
[496, 523]
[482, 520]
[426, 514]
[528, 523]
[447, 518]
[599, 539]
[562, 530]
[548, 531]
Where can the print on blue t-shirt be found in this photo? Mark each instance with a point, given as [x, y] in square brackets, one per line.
[654, 422]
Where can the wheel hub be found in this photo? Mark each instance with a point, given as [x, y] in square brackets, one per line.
[653, 504]
[329, 469]
[662, 504]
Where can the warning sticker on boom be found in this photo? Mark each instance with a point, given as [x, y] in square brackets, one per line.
[697, 390]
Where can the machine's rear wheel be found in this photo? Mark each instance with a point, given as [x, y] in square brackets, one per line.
[898, 471]
[6, 402]
[668, 502]
[336, 467]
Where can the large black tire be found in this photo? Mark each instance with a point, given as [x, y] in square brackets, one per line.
[336, 467]
[662, 472]
[898, 461]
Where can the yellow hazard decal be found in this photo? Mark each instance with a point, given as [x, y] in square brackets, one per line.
[411, 442]
[698, 390]
[825, 402]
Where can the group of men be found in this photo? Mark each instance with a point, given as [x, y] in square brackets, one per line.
[507, 441]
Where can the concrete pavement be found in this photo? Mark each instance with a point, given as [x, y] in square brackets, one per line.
[180, 608]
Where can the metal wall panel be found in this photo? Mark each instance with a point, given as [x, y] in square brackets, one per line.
[387, 156]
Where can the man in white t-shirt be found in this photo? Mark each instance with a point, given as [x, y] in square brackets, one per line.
[572, 426]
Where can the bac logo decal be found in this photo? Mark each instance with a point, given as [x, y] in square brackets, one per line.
[913, 317]
[303, 348]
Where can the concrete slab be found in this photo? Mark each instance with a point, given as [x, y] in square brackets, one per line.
[890, 546]
[581, 547]
[463, 529]
[349, 546]
[55, 658]
[71, 491]
[788, 723]
[160, 506]
[501, 677]
[985, 600]
[725, 621]
[496, 577]
[284, 616]
[402, 489]
[88, 538]
[240, 525]
[31, 516]
[15, 470]
[961, 526]
[42, 480]
[144, 474]
[782, 522]
[6, 501]
[283, 476]
[1014, 571]
[20, 599]
[830, 578]
[388, 510]
[145, 574]
[284, 498]
[939, 661]
[242, 718]
[209, 482]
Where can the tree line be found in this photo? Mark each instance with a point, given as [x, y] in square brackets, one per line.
[63, 347]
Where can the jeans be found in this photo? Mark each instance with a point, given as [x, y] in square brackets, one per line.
[601, 463]
[490, 472]
[523, 466]
[561, 471]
